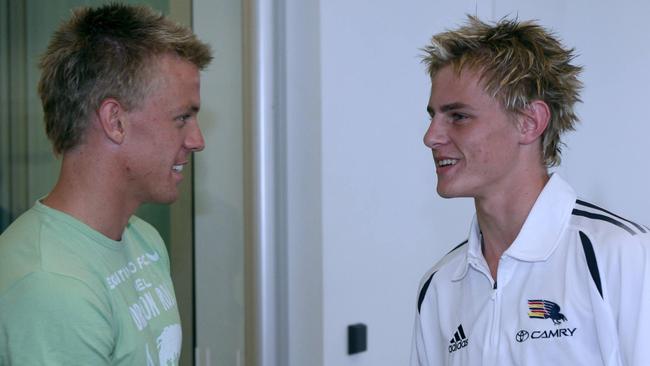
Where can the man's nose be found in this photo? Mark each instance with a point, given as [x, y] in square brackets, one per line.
[436, 134]
[194, 140]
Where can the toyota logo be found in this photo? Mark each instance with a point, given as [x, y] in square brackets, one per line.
[521, 336]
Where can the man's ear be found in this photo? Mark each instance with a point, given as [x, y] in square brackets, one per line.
[533, 121]
[110, 115]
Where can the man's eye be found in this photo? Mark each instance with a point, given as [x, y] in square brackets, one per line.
[458, 117]
[184, 118]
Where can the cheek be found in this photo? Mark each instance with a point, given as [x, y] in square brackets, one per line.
[485, 160]
[493, 150]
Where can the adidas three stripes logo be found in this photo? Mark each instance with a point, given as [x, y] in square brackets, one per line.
[458, 341]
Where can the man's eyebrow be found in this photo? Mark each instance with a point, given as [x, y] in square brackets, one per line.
[447, 107]
[191, 110]
[453, 106]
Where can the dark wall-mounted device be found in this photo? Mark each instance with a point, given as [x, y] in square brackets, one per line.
[357, 338]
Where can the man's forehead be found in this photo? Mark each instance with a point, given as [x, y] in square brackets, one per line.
[447, 82]
[455, 89]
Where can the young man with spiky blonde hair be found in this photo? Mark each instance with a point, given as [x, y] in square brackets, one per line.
[82, 280]
[544, 277]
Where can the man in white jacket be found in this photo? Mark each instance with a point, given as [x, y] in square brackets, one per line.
[544, 278]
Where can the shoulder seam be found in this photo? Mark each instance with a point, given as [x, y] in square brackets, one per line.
[595, 216]
[31, 274]
[591, 205]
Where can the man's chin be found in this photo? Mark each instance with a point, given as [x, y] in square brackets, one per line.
[445, 194]
[449, 192]
[444, 191]
[169, 200]
[165, 199]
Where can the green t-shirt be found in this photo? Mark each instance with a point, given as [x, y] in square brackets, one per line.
[71, 296]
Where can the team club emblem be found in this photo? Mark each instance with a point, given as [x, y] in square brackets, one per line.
[544, 309]
[458, 341]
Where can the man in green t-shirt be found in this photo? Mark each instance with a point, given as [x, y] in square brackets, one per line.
[82, 280]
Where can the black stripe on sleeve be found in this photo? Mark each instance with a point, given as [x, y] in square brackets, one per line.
[591, 261]
[425, 287]
[591, 205]
[423, 291]
[596, 216]
[458, 246]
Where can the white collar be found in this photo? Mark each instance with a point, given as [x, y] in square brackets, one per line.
[540, 234]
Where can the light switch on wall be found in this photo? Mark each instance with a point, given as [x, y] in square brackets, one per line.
[357, 338]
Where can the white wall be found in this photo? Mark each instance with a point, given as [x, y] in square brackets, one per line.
[381, 222]
[606, 159]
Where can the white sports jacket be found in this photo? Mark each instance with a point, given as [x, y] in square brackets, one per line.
[573, 289]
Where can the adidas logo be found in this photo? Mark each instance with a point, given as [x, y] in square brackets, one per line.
[458, 341]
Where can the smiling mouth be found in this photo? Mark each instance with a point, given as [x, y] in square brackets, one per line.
[177, 168]
[447, 162]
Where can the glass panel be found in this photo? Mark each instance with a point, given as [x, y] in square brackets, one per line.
[4, 117]
[219, 189]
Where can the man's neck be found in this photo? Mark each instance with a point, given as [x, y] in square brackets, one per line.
[88, 193]
[501, 217]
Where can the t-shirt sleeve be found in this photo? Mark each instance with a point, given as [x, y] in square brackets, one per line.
[51, 319]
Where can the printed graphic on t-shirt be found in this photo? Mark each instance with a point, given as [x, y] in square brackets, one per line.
[168, 344]
[153, 300]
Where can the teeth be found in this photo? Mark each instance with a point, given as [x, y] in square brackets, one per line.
[446, 162]
[177, 168]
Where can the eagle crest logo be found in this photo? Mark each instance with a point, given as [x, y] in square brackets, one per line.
[544, 309]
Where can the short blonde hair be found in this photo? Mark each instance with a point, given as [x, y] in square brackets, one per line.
[519, 62]
[104, 52]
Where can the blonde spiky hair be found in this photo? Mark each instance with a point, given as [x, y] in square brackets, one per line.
[106, 51]
[519, 62]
